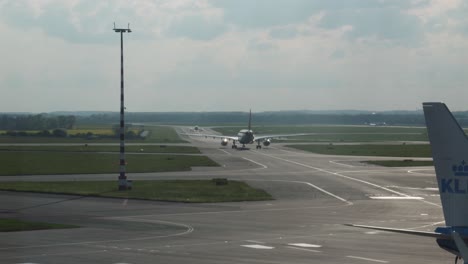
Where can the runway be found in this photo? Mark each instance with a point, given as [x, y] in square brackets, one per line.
[314, 196]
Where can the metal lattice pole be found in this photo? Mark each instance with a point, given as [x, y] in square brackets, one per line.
[123, 184]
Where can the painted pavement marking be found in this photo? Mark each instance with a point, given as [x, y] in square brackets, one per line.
[305, 249]
[305, 245]
[368, 259]
[257, 246]
[396, 198]
[258, 163]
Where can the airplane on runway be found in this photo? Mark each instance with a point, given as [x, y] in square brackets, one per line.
[246, 136]
[196, 129]
[450, 154]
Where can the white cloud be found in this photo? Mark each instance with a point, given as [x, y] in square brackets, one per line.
[201, 55]
[434, 8]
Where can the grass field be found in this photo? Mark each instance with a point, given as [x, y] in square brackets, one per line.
[196, 191]
[36, 163]
[400, 163]
[369, 150]
[163, 134]
[11, 225]
[93, 148]
[95, 131]
[104, 131]
[337, 133]
[158, 134]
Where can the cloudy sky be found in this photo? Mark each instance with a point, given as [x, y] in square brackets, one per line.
[202, 55]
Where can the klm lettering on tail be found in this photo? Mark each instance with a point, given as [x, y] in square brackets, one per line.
[453, 186]
[458, 184]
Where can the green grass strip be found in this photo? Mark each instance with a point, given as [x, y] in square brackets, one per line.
[194, 191]
[369, 150]
[39, 163]
[400, 163]
[163, 134]
[158, 134]
[11, 225]
[94, 148]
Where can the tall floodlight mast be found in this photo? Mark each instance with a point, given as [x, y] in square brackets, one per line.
[123, 184]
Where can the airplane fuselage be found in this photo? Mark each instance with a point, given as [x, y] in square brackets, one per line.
[245, 136]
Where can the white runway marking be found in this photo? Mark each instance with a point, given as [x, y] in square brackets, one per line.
[336, 174]
[396, 198]
[429, 225]
[337, 162]
[327, 192]
[56, 254]
[305, 249]
[368, 259]
[258, 163]
[311, 185]
[305, 245]
[415, 171]
[346, 177]
[374, 171]
[188, 231]
[257, 246]
[246, 211]
[255, 241]
[225, 151]
[414, 188]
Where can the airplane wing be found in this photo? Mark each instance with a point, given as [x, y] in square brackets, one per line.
[264, 137]
[404, 231]
[211, 136]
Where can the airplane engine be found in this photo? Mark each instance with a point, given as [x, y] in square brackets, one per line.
[267, 142]
[224, 141]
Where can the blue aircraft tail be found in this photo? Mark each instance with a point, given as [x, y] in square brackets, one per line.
[450, 153]
[449, 146]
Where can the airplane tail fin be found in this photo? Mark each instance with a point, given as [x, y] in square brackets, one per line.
[450, 153]
[250, 120]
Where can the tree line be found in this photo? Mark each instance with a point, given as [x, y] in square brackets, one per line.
[414, 118]
[263, 118]
[47, 122]
[36, 122]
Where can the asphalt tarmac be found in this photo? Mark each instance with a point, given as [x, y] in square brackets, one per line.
[314, 196]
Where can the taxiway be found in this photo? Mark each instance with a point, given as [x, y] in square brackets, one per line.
[314, 196]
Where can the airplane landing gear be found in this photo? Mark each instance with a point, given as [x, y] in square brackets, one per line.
[242, 148]
[234, 146]
[259, 146]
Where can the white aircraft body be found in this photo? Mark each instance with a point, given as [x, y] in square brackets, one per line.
[247, 136]
[196, 129]
[450, 154]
